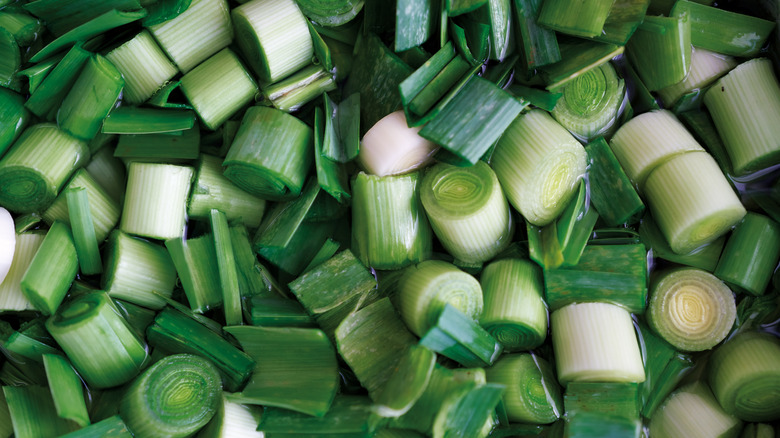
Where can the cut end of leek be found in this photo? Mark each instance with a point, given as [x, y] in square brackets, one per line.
[391, 147]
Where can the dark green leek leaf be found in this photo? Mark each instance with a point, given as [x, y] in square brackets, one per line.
[63, 15]
[164, 10]
[460, 338]
[164, 147]
[577, 57]
[413, 23]
[611, 191]
[138, 120]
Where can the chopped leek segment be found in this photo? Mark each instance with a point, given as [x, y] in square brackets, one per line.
[611, 191]
[660, 50]
[457, 336]
[139, 120]
[751, 254]
[143, 65]
[532, 394]
[694, 412]
[575, 18]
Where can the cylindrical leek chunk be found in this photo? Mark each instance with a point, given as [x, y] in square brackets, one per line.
[143, 65]
[532, 394]
[391, 147]
[706, 67]
[693, 412]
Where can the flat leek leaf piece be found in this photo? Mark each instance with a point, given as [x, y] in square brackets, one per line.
[331, 175]
[349, 416]
[280, 225]
[408, 383]
[462, 339]
[539, 44]
[64, 15]
[624, 18]
[321, 49]
[543, 99]
[416, 82]
[167, 147]
[413, 23]
[138, 120]
[577, 57]
[11, 59]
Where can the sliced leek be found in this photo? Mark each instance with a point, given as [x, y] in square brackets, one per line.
[532, 394]
[143, 65]
[391, 147]
[693, 412]
[706, 67]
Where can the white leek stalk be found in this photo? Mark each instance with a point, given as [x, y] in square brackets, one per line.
[693, 412]
[7, 242]
[11, 296]
[391, 147]
[143, 65]
[706, 67]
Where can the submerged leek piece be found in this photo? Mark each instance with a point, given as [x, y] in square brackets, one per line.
[67, 389]
[271, 154]
[692, 411]
[744, 376]
[11, 295]
[692, 201]
[751, 254]
[216, 100]
[389, 227]
[52, 270]
[32, 412]
[196, 265]
[209, 19]
[228, 271]
[611, 192]
[704, 257]
[615, 399]
[514, 311]
[460, 338]
[274, 37]
[7, 241]
[300, 88]
[413, 23]
[330, 12]
[532, 394]
[539, 44]
[83, 231]
[296, 368]
[46, 99]
[575, 18]
[143, 65]
[37, 166]
[63, 15]
[426, 288]
[467, 211]
[14, 117]
[173, 398]
[172, 148]
[595, 342]
[744, 105]
[691, 309]
[660, 50]
[706, 67]
[137, 271]
[111, 427]
[391, 147]
[122, 353]
[591, 103]
[408, 382]
[141, 120]
[538, 164]
[349, 416]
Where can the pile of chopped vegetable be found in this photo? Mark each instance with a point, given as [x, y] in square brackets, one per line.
[389, 218]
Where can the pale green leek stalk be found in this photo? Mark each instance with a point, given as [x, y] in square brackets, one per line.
[532, 393]
[208, 19]
[33, 414]
[693, 412]
[467, 211]
[228, 270]
[67, 389]
[538, 164]
[109, 172]
[156, 200]
[83, 231]
[300, 88]
[595, 342]
[391, 147]
[233, 419]
[408, 382]
[143, 65]
[7, 241]
[706, 67]
[11, 295]
[52, 270]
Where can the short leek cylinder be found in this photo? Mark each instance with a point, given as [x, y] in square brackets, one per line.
[538, 164]
[595, 342]
[216, 100]
[143, 65]
[745, 378]
[173, 398]
[389, 227]
[99, 342]
[11, 295]
[648, 140]
[14, 117]
[706, 67]
[691, 309]
[37, 166]
[514, 311]
[209, 19]
[745, 105]
[156, 200]
[52, 270]
[391, 147]
[692, 411]
[274, 36]
[467, 211]
[271, 154]
[532, 394]
[692, 201]
[427, 287]
[751, 254]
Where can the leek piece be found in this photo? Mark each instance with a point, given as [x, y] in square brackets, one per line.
[296, 368]
[722, 31]
[331, 175]
[350, 416]
[532, 394]
[280, 225]
[111, 427]
[11, 61]
[426, 288]
[750, 255]
[46, 99]
[389, 226]
[616, 274]
[692, 201]
[701, 126]
[27, 347]
[52, 270]
[139, 120]
[74, 327]
[541, 183]
[467, 210]
[743, 122]
[37, 166]
[589, 424]
[307, 239]
[104, 210]
[279, 312]
[413, 23]
[208, 18]
[660, 50]
[611, 192]
[12, 298]
[109, 173]
[270, 155]
[706, 67]
[595, 342]
[8, 241]
[468, 133]
[38, 72]
[704, 257]
[14, 117]
[342, 128]
[540, 98]
[623, 19]
[691, 309]
[459, 337]
[24, 28]
[744, 377]
[421, 80]
[300, 88]
[176, 147]
[33, 413]
[96, 26]
[216, 101]
[391, 147]
[156, 200]
[692, 411]
[63, 15]
[274, 37]
[137, 271]
[616, 399]
[574, 18]
[194, 259]
[83, 231]
[646, 141]
[372, 341]
[160, 12]
[163, 99]
[176, 332]
[757, 430]
[233, 419]
[66, 388]
[678, 367]
[514, 311]
[578, 56]
[228, 271]
[458, 7]
[175, 397]
[468, 413]
[327, 251]
[539, 45]
[407, 383]
[210, 189]
[330, 13]
[143, 65]
[591, 103]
